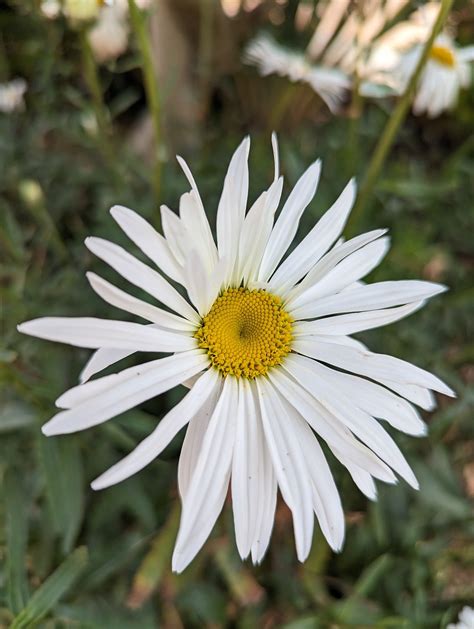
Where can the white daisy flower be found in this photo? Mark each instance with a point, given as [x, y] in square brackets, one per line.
[109, 35]
[465, 620]
[263, 342]
[330, 83]
[447, 71]
[12, 96]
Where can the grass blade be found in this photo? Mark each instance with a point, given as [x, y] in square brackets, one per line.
[52, 590]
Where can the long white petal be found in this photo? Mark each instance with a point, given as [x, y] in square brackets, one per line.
[313, 377]
[175, 233]
[196, 279]
[256, 231]
[329, 429]
[287, 224]
[340, 250]
[195, 222]
[127, 389]
[94, 333]
[375, 366]
[204, 228]
[141, 275]
[370, 297]
[166, 430]
[232, 204]
[326, 501]
[205, 497]
[353, 268]
[289, 464]
[355, 321]
[317, 242]
[266, 491]
[193, 439]
[377, 401]
[148, 240]
[120, 299]
[100, 360]
[246, 470]
[361, 478]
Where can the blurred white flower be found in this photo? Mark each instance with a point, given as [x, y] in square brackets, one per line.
[109, 35]
[330, 83]
[262, 341]
[465, 620]
[446, 72]
[345, 37]
[447, 69]
[12, 96]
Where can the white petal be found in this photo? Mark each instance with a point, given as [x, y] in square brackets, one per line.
[312, 376]
[166, 430]
[276, 158]
[148, 240]
[421, 396]
[377, 401]
[327, 26]
[256, 231]
[288, 463]
[375, 366]
[100, 360]
[353, 268]
[205, 497]
[267, 488]
[317, 242]
[175, 233]
[361, 478]
[466, 53]
[354, 322]
[327, 426]
[371, 297]
[94, 333]
[247, 470]
[287, 223]
[193, 439]
[196, 279]
[127, 389]
[195, 222]
[204, 228]
[340, 250]
[326, 501]
[232, 204]
[141, 275]
[120, 299]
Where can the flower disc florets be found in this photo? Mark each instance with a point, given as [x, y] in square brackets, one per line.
[443, 55]
[246, 332]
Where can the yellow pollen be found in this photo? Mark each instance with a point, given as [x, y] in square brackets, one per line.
[246, 332]
[443, 55]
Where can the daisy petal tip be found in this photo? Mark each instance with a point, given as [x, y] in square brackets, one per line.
[48, 430]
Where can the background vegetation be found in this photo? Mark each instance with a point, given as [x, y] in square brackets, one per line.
[74, 558]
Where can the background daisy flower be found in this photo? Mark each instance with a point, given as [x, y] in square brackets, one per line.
[263, 343]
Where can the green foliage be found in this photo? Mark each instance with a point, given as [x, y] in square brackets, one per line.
[408, 560]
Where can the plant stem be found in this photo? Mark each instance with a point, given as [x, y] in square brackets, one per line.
[101, 113]
[139, 24]
[389, 133]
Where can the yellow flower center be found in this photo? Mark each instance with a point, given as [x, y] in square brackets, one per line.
[443, 55]
[246, 332]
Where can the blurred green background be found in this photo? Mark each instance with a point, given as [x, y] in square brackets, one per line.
[408, 559]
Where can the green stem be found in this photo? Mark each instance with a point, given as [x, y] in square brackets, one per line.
[101, 113]
[388, 136]
[281, 107]
[139, 23]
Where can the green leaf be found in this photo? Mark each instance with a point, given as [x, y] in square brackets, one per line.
[52, 590]
[16, 522]
[15, 415]
[62, 468]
